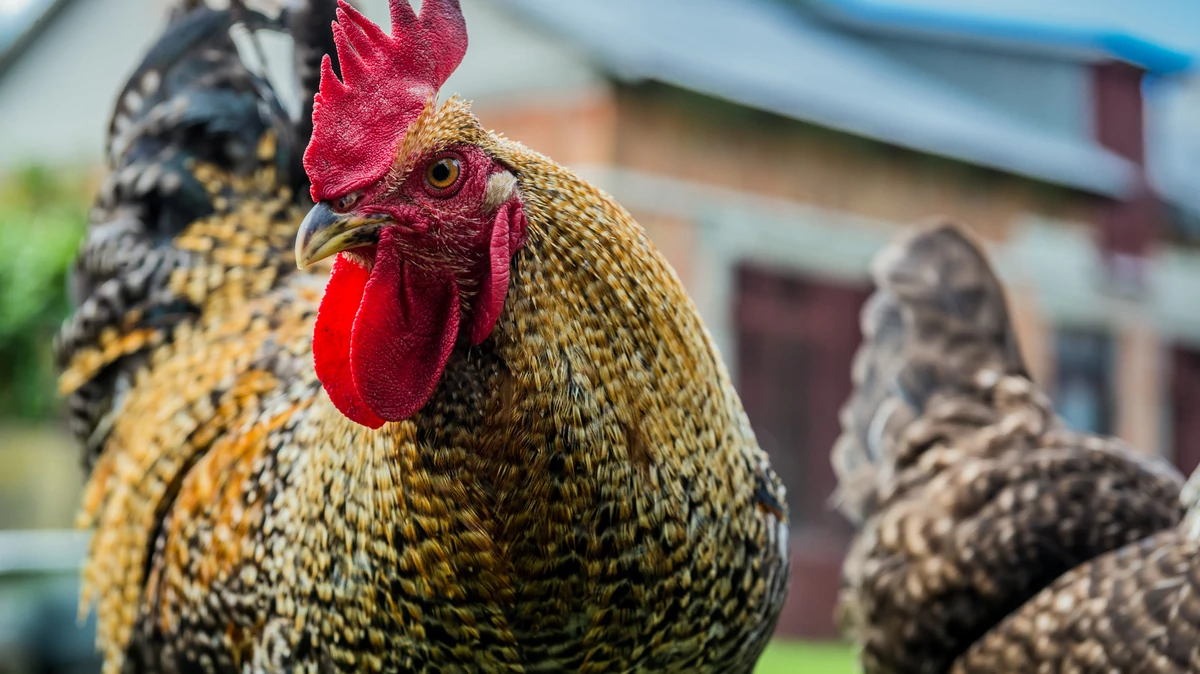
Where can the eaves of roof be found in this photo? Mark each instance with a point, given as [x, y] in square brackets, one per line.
[768, 56]
[1076, 42]
[18, 29]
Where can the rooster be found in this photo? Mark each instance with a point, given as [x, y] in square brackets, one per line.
[493, 436]
[992, 539]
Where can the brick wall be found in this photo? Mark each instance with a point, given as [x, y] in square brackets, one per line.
[667, 131]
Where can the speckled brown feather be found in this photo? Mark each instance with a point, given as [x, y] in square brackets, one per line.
[1135, 611]
[582, 493]
[970, 494]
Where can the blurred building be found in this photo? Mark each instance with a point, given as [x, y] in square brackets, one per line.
[770, 147]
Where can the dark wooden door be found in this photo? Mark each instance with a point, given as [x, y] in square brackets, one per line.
[796, 338]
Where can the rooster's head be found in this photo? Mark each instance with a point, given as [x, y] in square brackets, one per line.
[424, 221]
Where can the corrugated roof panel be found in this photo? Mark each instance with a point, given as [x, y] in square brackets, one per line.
[765, 55]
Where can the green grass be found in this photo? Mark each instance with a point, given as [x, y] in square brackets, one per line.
[794, 657]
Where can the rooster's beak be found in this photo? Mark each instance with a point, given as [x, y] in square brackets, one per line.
[325, 232]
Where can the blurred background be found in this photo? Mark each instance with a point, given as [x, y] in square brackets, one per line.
[770, 147]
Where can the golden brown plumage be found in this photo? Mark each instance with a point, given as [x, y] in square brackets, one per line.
[993, 539]
[582, 492]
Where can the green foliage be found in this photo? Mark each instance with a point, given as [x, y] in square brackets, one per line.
[43, 215]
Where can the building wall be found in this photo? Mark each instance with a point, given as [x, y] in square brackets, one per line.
[670, 132]
[56, 99]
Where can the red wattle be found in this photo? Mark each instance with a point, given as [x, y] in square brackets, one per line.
[508, 235]
[403, 333]
[331, 340]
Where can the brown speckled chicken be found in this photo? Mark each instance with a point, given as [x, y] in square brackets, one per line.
[992, 539]
[497, 438]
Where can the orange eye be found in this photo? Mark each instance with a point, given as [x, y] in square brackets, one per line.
[346, 201]
[443, 174]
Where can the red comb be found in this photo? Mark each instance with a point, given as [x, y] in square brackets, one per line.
[386, 80]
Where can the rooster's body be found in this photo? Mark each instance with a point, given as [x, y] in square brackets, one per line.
[581, 491]
[993, 540]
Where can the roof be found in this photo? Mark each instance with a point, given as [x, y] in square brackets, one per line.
[769, 56]
[20, 22]
[1042, 35]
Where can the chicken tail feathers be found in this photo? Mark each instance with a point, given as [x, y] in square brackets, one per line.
[937, 321]
[196, 133]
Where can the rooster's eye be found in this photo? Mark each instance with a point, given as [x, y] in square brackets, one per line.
[442, 175]
[346, 202]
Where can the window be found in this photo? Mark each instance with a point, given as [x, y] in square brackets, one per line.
[1083, 380]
